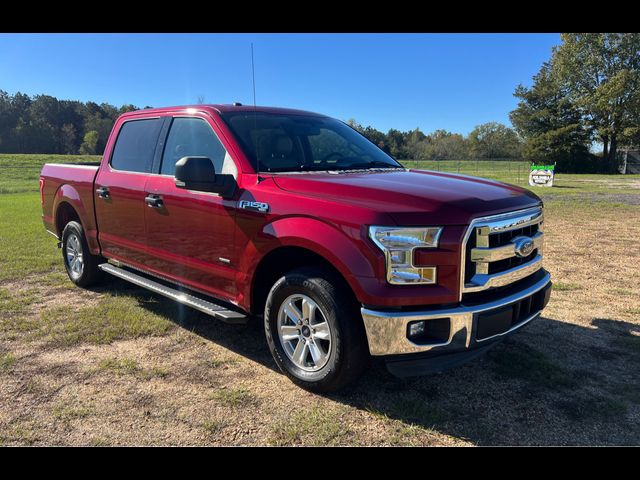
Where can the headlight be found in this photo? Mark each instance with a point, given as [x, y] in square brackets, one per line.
[398, 244]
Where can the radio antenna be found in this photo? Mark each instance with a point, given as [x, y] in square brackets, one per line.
[255, 124]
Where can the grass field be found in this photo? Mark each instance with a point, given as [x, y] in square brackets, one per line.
[118, 365]
[19, 173]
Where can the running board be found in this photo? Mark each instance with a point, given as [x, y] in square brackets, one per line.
[205, 306]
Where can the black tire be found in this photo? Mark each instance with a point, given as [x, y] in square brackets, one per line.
[89, 273]
[348, 352]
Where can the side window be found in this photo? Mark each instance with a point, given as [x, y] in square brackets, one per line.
[193, 137]
[136, 145]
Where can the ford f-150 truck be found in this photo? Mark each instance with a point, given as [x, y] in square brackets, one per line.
[294, 216]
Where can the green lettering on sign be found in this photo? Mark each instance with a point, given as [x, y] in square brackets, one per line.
[543, 167]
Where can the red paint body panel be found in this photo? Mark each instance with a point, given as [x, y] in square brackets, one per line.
[72, 184]
[326, 213]
[187, 237]
[121, 216]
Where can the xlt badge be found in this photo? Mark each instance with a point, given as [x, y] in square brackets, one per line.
[255, 206]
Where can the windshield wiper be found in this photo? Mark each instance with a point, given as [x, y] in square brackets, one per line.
[372, 164]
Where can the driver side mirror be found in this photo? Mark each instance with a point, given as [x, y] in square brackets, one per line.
[198, 173]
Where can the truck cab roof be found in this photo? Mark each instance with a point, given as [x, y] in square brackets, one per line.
[224, 108]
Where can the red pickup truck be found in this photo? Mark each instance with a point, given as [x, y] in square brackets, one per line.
[294, 216]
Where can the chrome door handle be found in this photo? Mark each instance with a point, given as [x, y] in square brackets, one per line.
[154, 201]
[103, 192]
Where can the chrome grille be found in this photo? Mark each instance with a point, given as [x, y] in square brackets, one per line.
[502, 249]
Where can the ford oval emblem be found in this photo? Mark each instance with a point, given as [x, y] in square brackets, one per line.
[523, 246]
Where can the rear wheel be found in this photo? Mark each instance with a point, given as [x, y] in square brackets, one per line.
[81, 265]
[314, 330]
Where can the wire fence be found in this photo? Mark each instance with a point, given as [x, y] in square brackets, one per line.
[507, 170]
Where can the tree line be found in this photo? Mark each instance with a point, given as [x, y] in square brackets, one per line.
[44, 124]
[487, 141]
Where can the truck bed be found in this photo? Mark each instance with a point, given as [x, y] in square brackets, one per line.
[76, 183]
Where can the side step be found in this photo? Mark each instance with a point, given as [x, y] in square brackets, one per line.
[205, 306]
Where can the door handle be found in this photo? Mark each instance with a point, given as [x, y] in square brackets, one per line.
[103, 192]
[154, 201]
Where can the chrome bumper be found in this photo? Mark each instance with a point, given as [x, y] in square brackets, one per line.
[387, 331]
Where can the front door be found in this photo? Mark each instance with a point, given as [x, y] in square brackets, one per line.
[190, 235]
[120, 191]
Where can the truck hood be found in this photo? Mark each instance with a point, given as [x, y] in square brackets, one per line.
[413, 197]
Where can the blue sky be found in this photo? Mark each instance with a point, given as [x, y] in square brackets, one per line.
[431, 81]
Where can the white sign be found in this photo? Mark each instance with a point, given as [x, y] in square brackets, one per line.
[541, 178]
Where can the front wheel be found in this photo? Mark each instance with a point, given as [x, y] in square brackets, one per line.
[314, 330]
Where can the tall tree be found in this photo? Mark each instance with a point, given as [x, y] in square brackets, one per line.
[443, 145]
[550, 122]
[414, 140]
[90, 144]
[601, 72]
[68, 138]
[494, 140]
[397, 143]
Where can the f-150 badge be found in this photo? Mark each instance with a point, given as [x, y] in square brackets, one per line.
[255, 206]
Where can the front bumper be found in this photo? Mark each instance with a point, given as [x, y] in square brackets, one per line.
[461, 329]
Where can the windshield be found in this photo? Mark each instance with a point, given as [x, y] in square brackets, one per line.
[289, 143]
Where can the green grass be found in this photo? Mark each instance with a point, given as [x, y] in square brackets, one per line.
[213, 426]
[72, 412]
[565, 286]
[416, 416]
[221, 362]
[234, 397]
[25, 247]
[130, 366]
[23, 434]
[7, 360]
[13, 304]
[119, 366]
[21, 173]
[113, 318]
[310, 426]
[526, 363]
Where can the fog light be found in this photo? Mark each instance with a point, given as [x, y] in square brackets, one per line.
[416, 328]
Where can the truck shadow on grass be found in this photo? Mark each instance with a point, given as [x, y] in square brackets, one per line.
[552, 383]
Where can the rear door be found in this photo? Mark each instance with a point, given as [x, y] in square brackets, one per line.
[191, 234]
[120, 190]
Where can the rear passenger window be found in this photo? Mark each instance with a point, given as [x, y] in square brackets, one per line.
[136, 145]
[192, 137]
